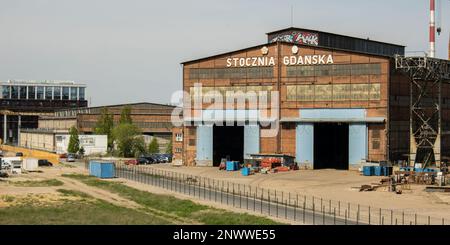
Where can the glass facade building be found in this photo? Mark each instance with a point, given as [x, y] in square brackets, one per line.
[42, 90]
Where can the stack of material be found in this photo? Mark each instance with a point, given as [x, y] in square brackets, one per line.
[270, 163]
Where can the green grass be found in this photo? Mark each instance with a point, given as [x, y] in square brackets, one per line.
[175, 206]
[76, 212]
[7, 198]
[41, 183]
[165, 203]
[73, 193]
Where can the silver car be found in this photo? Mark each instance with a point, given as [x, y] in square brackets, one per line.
[71, 158]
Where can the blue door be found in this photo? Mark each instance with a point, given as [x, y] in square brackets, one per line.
[305, 143]
[205, 144]
[251, 140]
[357, 136]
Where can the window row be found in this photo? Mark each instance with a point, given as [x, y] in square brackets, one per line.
[212, 92]
[42, 92]
[160, 125]
[334, 92]
[231, 73]
[334, 70]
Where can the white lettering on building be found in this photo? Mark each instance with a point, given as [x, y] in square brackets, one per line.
[287, 61]
[308, 60]
[250, 62]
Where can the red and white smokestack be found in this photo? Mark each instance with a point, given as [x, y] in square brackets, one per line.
[432, 28]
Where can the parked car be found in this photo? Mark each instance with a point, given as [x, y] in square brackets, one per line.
[44, 163]
[71, 158]
[1, 153]
[19, 154]
[143, 161]
[131, 162]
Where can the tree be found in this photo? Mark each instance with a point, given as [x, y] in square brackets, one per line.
[129, 140]
[153, 147]
[169, 148]
[81, 151]
[74, 141]
[125, 115]
[104, 126]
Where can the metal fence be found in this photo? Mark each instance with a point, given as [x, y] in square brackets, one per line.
[301, 209]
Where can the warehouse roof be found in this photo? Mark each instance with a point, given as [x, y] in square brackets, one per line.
[329, 33]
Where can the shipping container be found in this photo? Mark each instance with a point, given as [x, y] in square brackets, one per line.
[30, 164]
[103, 170]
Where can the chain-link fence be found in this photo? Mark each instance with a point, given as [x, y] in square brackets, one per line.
[302, 209]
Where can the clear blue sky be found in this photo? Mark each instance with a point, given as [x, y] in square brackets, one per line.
[130, 50]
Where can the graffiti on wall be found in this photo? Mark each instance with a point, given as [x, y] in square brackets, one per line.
[308, 38]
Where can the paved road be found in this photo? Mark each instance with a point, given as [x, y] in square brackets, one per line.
[251, 203]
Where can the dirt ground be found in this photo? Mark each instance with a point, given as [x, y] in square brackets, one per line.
[335, 185]
[327, 184]
[50, 193]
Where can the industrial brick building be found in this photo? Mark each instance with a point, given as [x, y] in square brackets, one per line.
[341, 101]
[152, 119]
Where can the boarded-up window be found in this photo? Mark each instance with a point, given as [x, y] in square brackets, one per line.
[376, 144]
[192, 132]
[192, 142]
[376, 134]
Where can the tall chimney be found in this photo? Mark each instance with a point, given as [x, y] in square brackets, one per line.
[432, 28]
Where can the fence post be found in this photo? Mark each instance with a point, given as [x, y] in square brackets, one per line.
[334, 216]
[285, 210]
[415, 219]
[346, 217]
[268, 196]
[429, 221]
[295, 210]
[369, 215]
[339, 208]
[221, 193]
[323, 215]
[304, 212]
[349, 210]
[314, 213]
[228, 191]
[246, 196]
[379, 222]
[392, 216]
[254, 202]
[261, 201]
[403, 218]
[276, 204]
[329, 208]
[357, 216]
[240, 198]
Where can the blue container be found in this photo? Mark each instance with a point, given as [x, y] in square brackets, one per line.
[378, 171]
[368, 170]
[103, 170]
[407, 169]
[430, 170]
[245, 171]
[419, 170]
[231, 166]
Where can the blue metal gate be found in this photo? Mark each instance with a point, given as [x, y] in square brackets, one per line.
[251, 140]
[205, 143]
[305, 143]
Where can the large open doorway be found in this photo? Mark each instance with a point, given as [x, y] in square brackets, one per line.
[331, 146]
[228, 142]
